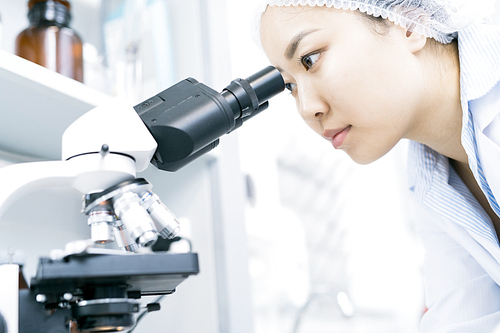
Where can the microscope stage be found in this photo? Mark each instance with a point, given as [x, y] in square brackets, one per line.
[144, 274]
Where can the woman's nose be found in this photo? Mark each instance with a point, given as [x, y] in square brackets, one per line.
[312, 107]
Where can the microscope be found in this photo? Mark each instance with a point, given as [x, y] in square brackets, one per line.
[90, 288]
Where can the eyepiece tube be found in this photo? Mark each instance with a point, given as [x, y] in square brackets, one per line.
[266, 83]
[249, 97]
[262, 107]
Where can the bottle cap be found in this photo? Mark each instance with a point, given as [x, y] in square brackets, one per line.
[31, 3]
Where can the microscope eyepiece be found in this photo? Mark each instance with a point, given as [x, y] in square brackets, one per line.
[266, 83]
[187, 119]
[249, 97]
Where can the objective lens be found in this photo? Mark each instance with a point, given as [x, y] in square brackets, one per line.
[123, 238]
[162, 217]
[136, 219]
[101, 224]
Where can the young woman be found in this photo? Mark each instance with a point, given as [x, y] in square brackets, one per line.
[366, 74]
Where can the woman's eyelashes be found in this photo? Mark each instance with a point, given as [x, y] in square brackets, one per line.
[290, 86]
[309, 60]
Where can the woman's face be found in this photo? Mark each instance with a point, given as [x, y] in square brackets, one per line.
[357, 88]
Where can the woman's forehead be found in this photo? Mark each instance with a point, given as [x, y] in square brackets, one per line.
[286, 14]
[283, 28]
[280, 25]
[295, 18]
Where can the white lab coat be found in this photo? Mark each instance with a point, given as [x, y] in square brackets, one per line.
[461, 268]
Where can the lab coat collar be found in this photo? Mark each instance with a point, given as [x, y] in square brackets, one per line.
[479, 47]
[479, 52]
[433, 186]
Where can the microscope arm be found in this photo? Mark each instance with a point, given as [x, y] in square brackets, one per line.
[102, 148]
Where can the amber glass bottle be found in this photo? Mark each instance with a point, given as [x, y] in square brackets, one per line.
[49, 41]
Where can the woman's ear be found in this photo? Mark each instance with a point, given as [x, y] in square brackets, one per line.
[412, 41]
[415, 42]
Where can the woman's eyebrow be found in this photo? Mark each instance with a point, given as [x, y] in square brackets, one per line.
[294, 43]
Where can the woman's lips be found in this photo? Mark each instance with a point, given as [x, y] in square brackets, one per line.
[336, 136]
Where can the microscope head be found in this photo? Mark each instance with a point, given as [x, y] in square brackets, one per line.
[111, 128]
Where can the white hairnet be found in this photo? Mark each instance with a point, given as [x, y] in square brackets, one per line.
[439, 19]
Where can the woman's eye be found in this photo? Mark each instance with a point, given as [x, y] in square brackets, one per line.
[309, 60]
[290, 86]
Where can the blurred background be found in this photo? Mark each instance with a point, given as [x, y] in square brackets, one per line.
[292, 235]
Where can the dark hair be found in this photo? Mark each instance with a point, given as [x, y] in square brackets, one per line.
[377, 23]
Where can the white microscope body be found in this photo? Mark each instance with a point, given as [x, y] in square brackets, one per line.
[102, 152]
[105, 147]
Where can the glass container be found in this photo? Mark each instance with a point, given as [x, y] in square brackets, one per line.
[49, 40]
